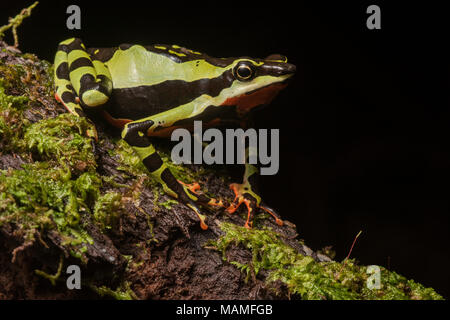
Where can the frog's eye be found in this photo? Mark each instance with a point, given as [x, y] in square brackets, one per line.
[243, 72]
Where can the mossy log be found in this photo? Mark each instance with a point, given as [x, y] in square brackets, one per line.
[67, 200]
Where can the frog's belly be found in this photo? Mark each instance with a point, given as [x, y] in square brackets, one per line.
[167, 131]
[212, 116]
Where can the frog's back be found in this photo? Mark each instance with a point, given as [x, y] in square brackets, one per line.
[148, 80]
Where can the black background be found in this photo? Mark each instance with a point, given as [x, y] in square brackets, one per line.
[364, 125]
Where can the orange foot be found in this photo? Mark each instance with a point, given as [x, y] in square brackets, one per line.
[244, 194]
[192, 191]
[201, 198]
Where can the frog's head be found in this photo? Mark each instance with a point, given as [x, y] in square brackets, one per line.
[243, 83]
[257, 81]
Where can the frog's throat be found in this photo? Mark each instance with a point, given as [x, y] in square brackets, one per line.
[247, 101]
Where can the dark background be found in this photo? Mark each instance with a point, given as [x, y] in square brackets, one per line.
[364, 125]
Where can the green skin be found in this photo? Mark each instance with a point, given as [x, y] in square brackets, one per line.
[150, 91]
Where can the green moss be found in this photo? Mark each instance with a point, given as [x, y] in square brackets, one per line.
[12, 76]
[11, 117]
[129, 161]
[10, 101]
[44, 78]
[168, 204]
[63, 139]
[311, 279]
[107, 209]
[47, 194]
[123, 292]
[43, 196]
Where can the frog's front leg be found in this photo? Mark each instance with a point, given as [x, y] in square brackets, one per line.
[246, 193]
[135, 134]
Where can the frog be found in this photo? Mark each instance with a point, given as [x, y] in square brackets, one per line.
[148, 91]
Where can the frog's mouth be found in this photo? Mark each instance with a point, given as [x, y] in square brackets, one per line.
[255, 98]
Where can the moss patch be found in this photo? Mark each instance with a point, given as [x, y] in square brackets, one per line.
[311, 279]
[123, 292]
[42, 196]
[11, 118]
[63, 139]
[107, 209]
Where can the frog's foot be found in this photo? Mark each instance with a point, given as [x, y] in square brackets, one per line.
[244, 195]
[201, 217]
[189, 195]
[180, 191]
[194, 190]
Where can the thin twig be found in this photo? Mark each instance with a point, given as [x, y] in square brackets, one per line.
[52, 277]
[15, 22]
[348, 256]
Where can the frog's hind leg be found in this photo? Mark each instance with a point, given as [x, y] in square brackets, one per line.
[195, 189]
[64, 91]
[135, 134]
[203, 199]
[89, 78]
[79, 80]
[247, 193]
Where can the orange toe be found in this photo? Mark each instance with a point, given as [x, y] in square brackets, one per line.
[193, 187]
[277, 220]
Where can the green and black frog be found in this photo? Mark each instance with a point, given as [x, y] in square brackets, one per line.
[148, 91]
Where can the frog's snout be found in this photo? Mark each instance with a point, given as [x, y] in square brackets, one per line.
[289, 68]
[276, 64]
[278, 69]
